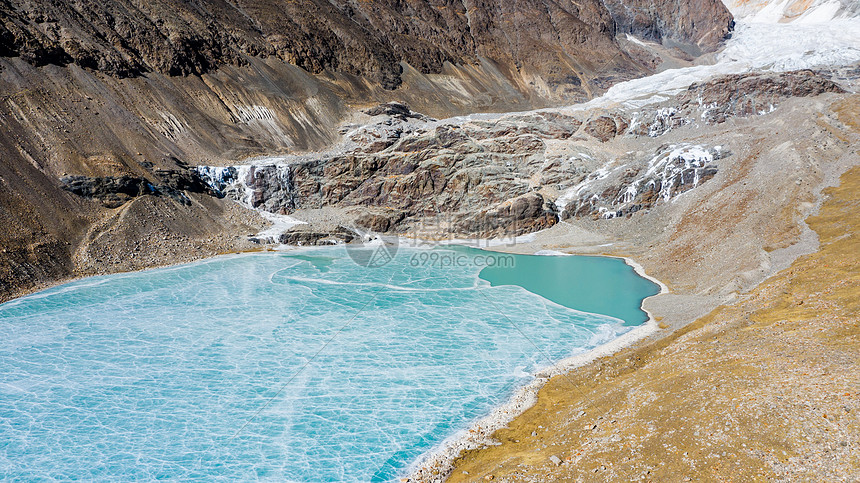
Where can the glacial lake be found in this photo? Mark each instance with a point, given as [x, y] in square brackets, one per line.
[288, 366]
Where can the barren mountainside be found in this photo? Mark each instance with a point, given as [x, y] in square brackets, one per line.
[133, 92]
[559, 40]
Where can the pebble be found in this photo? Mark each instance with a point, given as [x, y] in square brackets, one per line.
[555, 459]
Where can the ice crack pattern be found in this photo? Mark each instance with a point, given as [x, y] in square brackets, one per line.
[148, 375]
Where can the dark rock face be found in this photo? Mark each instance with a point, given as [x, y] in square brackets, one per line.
[127, 38]
[396, 110]
[696, 24]
[114, 191]
[182, 179]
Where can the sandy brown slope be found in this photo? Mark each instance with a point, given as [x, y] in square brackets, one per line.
[766, 388]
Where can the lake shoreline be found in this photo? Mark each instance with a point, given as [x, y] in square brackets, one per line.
[440, 459]
[437, 464]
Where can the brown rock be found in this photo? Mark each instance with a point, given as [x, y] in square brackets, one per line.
[379, 223]
[749, 94]
[602, 128]
[524, 214]
[305, 235]
[698, 25]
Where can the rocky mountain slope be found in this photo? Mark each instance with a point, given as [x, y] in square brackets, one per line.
[137, 91]
[403, 172]
[556, 41]
[684, 28]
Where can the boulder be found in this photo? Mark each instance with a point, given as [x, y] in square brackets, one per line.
[308, 235]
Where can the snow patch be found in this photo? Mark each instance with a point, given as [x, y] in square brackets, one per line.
[280, 224]
[242, 184]
[812, 41]
[635, 40]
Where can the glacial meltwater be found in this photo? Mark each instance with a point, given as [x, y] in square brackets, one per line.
[291, 366]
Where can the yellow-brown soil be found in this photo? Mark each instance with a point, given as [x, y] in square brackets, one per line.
[767, 388]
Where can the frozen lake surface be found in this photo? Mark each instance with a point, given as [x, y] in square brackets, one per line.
[297, 366]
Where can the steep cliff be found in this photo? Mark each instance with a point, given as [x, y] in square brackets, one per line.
[694, 25]
[556, 40]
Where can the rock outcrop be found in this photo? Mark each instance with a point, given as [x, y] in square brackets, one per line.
[605, 128]
[114, 191]
[490, 178]
[304, 235]
[693, 25]
[525, 214]
[752, 94]
[629, 188]
[473, 179]
[737, 95]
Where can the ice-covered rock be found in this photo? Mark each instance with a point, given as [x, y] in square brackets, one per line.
[218, 178]
[267, 187]
[628, 188]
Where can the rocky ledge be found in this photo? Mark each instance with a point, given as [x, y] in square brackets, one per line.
[406, 173]
[114, 191]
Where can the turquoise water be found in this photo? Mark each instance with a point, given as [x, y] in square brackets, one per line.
[286, 367]
[591, 284]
